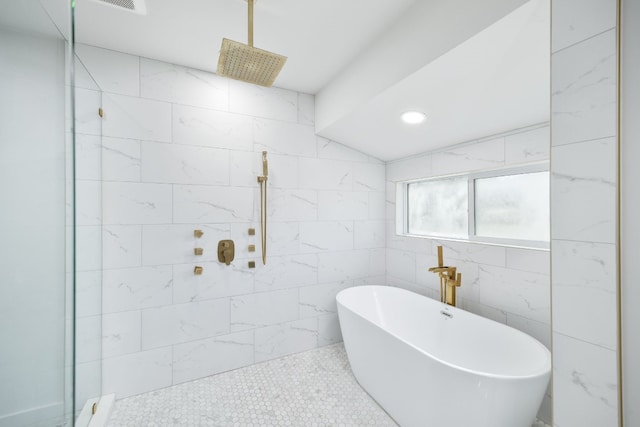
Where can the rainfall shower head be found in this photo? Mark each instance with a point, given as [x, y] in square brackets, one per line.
[244, 62]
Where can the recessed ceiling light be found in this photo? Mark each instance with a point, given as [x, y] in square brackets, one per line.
[413, 117]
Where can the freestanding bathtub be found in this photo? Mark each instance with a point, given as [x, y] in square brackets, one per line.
[431, 365]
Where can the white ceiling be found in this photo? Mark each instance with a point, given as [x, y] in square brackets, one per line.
[319, 37]
[496, 81]
[482, 84]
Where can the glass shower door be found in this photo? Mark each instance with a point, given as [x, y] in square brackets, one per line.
[35, 275]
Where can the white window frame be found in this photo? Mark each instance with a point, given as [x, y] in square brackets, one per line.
[402, 206]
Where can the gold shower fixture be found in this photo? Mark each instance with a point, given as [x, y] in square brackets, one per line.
[450, 279]
[249, 64]
[262, 181]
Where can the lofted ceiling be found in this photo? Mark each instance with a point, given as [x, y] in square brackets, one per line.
[318, 37]
[475, 68]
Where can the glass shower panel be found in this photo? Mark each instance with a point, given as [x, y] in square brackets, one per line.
[88, 185]
[36, 273]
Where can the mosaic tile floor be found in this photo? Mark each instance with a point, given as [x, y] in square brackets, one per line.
[315, 389]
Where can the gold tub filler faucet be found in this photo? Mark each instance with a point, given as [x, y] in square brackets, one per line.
[449, 280]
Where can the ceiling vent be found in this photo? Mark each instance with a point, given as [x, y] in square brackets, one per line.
[135, 6]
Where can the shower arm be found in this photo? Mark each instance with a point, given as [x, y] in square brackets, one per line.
[250, 29]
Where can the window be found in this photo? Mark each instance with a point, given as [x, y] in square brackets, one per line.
[505, 206]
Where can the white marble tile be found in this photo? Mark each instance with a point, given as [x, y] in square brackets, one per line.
[413, 287]
[329, 331]
[82, 78]
[292, 205]
[88, 293]
[343, 265]
[136, 118]
[88, 161]
[283, 171]
[518, 292]
[283, 238]
[328, 149]
[136, 288]
[483, 310]
[538, 330]
[210, 128]
[583, 193]
[583, 91]
[137, 373]
[377, 205]
[217, 281]
[414, 244]
[179, 323]
[316, 385]
[380, 280]
[180, 164]
[322, 236]
[121, 246]
[377, 264]
[392, 196]
[88, 339]
[88, 248]
[136, 203]
[344, 205]
[182, 85]
[207, 204]
[401, 264]
[271, 103]
[247, 165]
[471, 252]
[199, 359]
[286, 272]
[470, 157]
[320, 300]
[174, 243]
[529, 146]
[243, 168]
[323, 174]
[120, 159]
[410, 168]
[284, 138]
[306, 109]
[288, 338]
[121, 333]
[87, 103]
[113, 71]
[88, 202]
[577, 20]
[369, 177]
[263, 309]
[584, 377]
[529, 260]
[369, 234]
[584, 283]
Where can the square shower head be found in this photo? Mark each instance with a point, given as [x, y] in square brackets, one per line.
[247, 63]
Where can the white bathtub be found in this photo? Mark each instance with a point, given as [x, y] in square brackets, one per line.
[428, 369]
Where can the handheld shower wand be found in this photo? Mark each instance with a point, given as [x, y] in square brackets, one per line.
[262, 180]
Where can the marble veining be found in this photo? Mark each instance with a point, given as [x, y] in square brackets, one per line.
[314, 388]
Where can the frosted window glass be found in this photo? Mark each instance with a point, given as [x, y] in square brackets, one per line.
[513, 206]
[438, 208]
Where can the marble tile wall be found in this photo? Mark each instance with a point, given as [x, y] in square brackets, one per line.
[584, 215]
[508, 285]
[180, 150]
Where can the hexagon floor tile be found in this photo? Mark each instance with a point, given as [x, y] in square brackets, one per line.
[315, 388]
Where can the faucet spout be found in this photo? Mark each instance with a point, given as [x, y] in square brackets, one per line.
[450, 279]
